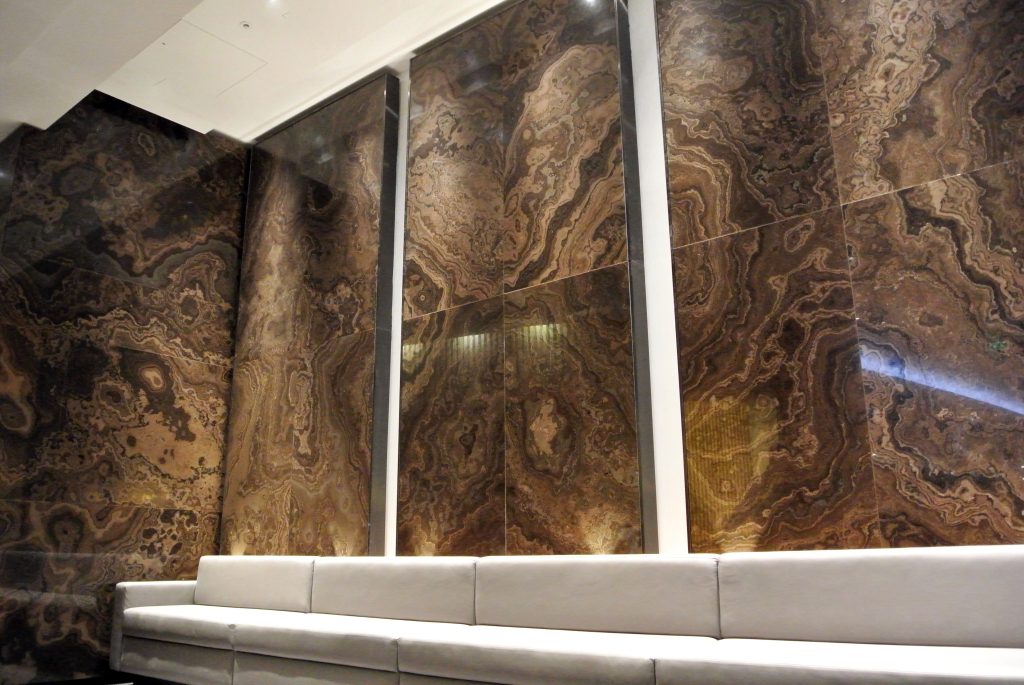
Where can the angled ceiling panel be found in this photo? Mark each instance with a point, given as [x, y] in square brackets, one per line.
[55, 52]
[308, 49]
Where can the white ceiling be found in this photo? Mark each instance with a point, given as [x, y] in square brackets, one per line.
[55, 52]
[243, 66]
[195, 63]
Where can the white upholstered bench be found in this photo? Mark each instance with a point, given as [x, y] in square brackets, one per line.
[949, 615]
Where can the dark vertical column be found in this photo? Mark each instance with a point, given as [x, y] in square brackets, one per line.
[637, 287]
[382, 342]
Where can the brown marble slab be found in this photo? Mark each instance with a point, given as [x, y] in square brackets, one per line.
[299, 450]
[939, 284]
[58, 567]
[258, 465]
[51, 637]
[515, 162]
[115, 190]
[570, 425]
[298, 470]
[32, 414]
[8, 159]
[118, 262]
[455, 172]
[746, 118]
[124, 427]
[330, 496]
[564, 194]
[776, 439]
[314, 216]
[451, 479]
[79, 304]
[921, 89]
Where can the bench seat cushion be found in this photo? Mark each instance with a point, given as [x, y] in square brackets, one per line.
[531, 656]
[191, 624]
[344, 640]
[780, 662]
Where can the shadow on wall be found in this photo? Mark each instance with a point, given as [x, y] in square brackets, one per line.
[119, 241]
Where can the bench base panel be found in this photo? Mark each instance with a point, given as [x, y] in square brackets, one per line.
[177, 662]
[259, 669]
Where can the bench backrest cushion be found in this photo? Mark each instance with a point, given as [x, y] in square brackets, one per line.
[416, 588]
[953, 596]
[614, 593]
[254, 582]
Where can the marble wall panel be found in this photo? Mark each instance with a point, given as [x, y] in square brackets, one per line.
[921, 89]
[330, 486]
[564, 196]
[313, 219]
[515, 161]
[108, 311]
[33, 364]
[298, 470]
[115, 190]
[118, 263]
[131, 427]
[918, 96]
[58, 567]
[776, 438]
[746, 118]
[455, 178]
[451, 487]
[8, 157]
[938, 277]
[570, 437]
[258, 467]
[516, 228]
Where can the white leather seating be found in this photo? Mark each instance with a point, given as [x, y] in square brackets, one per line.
[949, 615]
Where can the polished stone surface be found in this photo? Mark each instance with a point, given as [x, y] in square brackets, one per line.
[298, 476]
[570, 418]
[118, 262]
[330, 485]
[112, 424]
[515, 234]
[171, 321]
[259, 464]
[776, 438]
[451, 480]
[298, 470]
[563, 177]
[746, 120]
[454, 218]
[120, 192]
[515, 163]
[8, 158]
[924, 103]
[921, 89]
[58, 567]
[938, 277]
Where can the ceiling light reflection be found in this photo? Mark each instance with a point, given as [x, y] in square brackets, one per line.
[944, 383]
